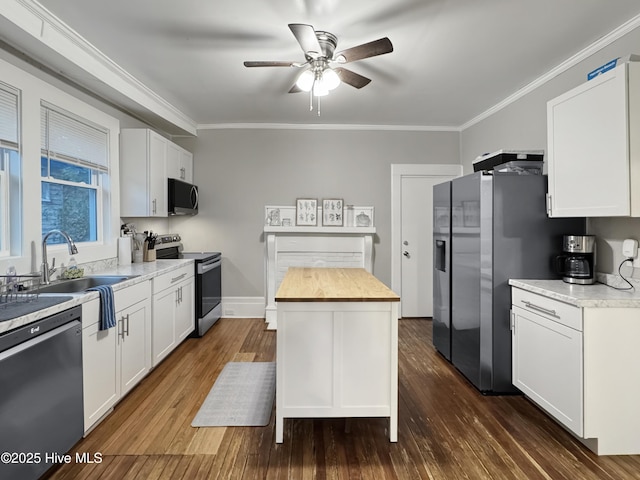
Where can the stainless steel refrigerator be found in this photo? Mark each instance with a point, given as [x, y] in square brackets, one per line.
[499, 230]
[442, 268]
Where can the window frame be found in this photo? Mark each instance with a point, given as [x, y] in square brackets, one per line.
[25, 180]
[99, 174]
[10, 223]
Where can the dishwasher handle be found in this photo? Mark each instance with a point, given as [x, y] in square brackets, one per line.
[36, 340]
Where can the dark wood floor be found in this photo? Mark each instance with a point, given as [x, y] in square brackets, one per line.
[447, 430]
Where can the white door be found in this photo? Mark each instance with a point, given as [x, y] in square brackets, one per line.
[412, 234]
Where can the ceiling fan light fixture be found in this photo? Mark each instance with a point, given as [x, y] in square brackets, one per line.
[305, 80]
[319, 89]
[330, 79]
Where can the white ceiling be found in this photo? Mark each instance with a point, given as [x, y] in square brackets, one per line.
[452, 59]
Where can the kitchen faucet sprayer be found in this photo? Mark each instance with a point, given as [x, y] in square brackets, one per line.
[46, 273]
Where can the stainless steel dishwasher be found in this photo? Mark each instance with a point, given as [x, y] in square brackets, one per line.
[40, 394]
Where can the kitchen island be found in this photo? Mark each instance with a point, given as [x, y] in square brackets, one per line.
[337, 346]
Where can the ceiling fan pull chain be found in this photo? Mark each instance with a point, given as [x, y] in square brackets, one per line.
[311, 100]
[319, 105]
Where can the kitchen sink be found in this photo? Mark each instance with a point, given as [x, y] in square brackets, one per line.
[81, 284]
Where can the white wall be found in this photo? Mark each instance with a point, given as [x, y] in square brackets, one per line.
[239, 171]
[522, 125]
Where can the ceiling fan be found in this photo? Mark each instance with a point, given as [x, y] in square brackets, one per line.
[323, 71]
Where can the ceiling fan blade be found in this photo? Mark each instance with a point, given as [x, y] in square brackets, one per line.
[366, 50]
[271, 64]
[352, 78]
[306, 36]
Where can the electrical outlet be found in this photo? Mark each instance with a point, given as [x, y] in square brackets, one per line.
[630, 250]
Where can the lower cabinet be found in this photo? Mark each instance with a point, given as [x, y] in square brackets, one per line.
[116, 359]
[580, 365]
[547, 365]
[173, 311]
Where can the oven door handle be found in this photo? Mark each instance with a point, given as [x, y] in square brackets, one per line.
[209, 266]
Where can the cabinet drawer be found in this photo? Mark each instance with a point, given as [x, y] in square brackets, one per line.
[549, 308]
[173, 277]
[127, 296]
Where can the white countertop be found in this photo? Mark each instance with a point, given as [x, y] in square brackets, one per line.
[145, 270]
[597, 295]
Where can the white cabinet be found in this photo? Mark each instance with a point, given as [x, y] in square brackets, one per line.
[185, 309]
[146, 161]
[134, 342]
[143, 180]
[547, 357]
[101, 380]
[593, 147]
[580, 365]
[173, 311]
[179, 163]
[116, 359]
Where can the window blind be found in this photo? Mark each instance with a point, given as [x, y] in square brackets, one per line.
[8, 118]
[65, 137]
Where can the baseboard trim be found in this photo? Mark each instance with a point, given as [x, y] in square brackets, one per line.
[243, 307]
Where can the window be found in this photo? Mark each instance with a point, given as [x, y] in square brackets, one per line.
[9, 169]
[73, 167]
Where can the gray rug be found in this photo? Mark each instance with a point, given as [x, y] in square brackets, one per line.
[242, 396]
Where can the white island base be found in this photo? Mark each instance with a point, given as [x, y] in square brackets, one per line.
[337, 359]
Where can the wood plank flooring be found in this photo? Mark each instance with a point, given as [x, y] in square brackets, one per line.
[447, 430]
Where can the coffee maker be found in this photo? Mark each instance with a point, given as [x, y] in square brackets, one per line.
[578, 260]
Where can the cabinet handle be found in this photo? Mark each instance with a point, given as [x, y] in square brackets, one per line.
[533, 306]
[127, 330]
[121, 327]
[179, 277]
[153, 206]
[177, 296]
[548, 204]
[182, 173]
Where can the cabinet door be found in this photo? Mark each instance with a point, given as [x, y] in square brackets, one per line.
[163, 324]
[174, 161]
[157, 175]
[185, 321]
[547, 365]
[101, 380]
[133, 332]
[588, 149]
[186, 161]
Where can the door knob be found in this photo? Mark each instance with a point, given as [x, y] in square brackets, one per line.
[405, 243]
[406, 254]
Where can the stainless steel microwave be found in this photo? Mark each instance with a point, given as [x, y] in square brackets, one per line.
[183, 198]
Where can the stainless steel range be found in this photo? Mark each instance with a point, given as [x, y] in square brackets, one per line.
[208, 280]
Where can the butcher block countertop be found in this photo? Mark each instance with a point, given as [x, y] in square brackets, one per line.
[303, 284]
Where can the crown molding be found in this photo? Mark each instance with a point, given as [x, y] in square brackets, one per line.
[35, 20]
[572, 61]
[325, 126]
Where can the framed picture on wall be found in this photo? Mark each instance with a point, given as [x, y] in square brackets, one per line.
[307, 212]
[332, 212]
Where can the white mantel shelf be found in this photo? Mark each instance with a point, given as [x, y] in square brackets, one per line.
[331, 230]
[298, 246]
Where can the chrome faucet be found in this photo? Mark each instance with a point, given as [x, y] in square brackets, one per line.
[46, 272]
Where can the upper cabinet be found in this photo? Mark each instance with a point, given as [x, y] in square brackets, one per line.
[147, 159]
[179, 163]
[594, 147]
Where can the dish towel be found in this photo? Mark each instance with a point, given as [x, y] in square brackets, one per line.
[107, 310]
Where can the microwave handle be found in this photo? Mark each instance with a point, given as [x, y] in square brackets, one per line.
[194, 193]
